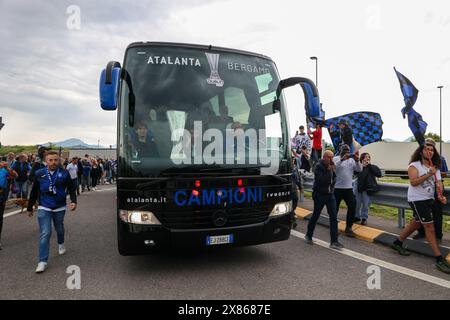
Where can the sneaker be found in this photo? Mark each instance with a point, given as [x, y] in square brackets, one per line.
[402, 251]
[349, 233]
[443, 266]
[309, 240]
[363, 222]
[61, 249]
[356, 220]
[41, 267]
[336, 245]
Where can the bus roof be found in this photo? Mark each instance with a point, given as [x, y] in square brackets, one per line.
[196, 46]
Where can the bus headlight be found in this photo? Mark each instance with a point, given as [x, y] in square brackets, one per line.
[139, 217]
[281, 208]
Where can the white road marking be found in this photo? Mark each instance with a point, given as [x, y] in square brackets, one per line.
[384, 264]
[101, 190]
[14, 213]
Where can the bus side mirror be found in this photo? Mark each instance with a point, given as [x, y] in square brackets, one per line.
[109, 86]
[276, 105]
[313, 106]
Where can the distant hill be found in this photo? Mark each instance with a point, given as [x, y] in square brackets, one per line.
[73, 143]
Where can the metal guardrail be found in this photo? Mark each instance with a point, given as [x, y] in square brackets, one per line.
[391, 195]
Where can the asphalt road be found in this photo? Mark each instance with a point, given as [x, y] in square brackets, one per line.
[285, 270]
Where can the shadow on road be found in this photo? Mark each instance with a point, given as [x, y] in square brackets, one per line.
[208, 259]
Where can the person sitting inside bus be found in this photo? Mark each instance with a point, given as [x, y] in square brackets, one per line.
[223, 114]
[143, 142]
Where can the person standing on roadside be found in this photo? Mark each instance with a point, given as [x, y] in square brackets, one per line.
[50, 188]
[11, 161]
[323, 195]
[86, 176]
[302, 139]
[72, 167]
[424, 177]
[80, 174]
[364, 187]
[6, 175]
[23, 170]
[39, 162]
[345, 167]
[95, 174]
[316, 137]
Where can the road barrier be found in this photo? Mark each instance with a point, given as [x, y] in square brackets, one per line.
[391, 195]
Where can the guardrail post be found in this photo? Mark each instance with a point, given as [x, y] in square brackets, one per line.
[401, 218]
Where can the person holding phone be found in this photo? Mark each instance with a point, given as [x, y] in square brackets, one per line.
[346, 165]
[364, 187]
[323, 195]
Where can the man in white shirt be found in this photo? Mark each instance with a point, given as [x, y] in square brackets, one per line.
[72, 167]
[343, 189]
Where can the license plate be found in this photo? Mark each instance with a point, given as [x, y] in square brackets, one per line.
[213, 240]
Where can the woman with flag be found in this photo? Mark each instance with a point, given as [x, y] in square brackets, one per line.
[424, 177]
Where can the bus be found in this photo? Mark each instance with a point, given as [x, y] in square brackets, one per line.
[202, 146]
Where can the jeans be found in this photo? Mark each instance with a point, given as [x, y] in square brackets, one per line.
[320, 201]
[84, 182]
[75, 184]
[22, 189]
[349, 199]
[108, 175]
[45, 219]
[316, 155]
[362, 203]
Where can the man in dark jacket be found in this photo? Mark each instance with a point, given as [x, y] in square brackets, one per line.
[6, 176]
[345, 134]
[39, 163]
[50, 188]
[23, 169]
[323, 195]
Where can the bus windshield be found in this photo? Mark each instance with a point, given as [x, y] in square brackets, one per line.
[198, 109]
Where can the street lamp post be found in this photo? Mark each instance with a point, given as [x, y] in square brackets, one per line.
[440, 119]
[317, 72]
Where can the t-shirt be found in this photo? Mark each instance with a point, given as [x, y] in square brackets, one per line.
[344, 172]
[302, 140]
[426, 190]
[317, 139]
[73, 170]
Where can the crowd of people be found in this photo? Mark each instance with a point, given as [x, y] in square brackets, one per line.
[51, 179]
[348, 176]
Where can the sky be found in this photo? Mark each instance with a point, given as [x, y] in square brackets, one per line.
[51, 60]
